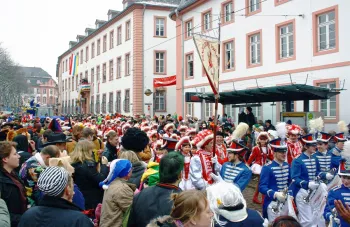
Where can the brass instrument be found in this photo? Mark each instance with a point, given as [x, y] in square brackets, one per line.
[276, 209]
[311, 192]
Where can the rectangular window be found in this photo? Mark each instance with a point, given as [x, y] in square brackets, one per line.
[69, 107]
[127, 31]
[119, 35]
[229, 56]
[111, 70]
[92, 80]
[160, 26]
[69, 85]
[44, 91]
[254, 5]
[110, 103]
[111, 39]
[92, 106]
[326, 31]
[92, 50]
[208, 110]
[98, 73]
[190, 106]
[284, 106]
[189, 65]
[104, 103]
[38, 99]
[189, 28]
[76, 82]
[66, 64]
[328, 106]
[104, 72]
[119, 67]
[160, 99]
[98, 47]
[104, 43]
[254, 47]
[86, 54]
[230, 111]
[127, 101]
[118, 102]
[81, 56]
[228, 12]
[98, 105]
[257, 112]
[160, 62]
[73, 84]
[286, 41]
[44, 100]
[206, 20]
[127, 64]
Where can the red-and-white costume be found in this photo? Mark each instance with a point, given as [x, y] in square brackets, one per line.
[294, 148]
[167, 128]
[186, 183]
[221, 153]
[259, 157]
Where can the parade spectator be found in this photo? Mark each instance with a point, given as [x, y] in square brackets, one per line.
[43, 139]
[154, 201]
[56, 207]
[86, 176]
[269, 126]
[138, 167]
[191, 208]
[4, 214]
[59, 140]
[76, 135]
[22, 149]
[285, 221]
[32, 169]
[230, 208]
[99, 146]
[250, 118]
[137, 141]
[118, 194]
[111, 149]
[331, 142]
[87, 134]
[12, 190]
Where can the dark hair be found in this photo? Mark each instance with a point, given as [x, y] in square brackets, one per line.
[134, 139]
[46, 133]
[22, 143]
[170, 167]
[249, 109]
[87, 132]
[5, 149]
[51, 150]
[285, 221]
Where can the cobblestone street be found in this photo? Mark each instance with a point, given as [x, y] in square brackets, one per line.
[248, 194]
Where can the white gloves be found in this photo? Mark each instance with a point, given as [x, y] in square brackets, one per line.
[329, 176]
[280, 196]
[214, 160]
[313, 185]
[216, 178]
[336, 220]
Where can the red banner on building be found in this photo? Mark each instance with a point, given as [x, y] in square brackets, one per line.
[164, 81]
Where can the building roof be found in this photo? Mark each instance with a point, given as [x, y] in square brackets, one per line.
[183, 5]
[293, 92]
[34, 72]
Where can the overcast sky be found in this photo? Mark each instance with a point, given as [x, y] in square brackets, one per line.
[36, 32]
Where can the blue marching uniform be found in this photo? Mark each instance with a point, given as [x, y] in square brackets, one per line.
[336, 157]
[238, 174]
[341, 193]
[324, 159]
[274, 177]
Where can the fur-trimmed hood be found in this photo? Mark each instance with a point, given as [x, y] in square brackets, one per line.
[164, 221]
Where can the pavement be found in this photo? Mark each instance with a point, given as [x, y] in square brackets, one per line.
[248, 194]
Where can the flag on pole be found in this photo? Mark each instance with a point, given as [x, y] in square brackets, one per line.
[208, 51]
[70, 64]
[165, 81]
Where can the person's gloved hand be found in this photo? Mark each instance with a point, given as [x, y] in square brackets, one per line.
[216, 178]
[336, 220]
[313, 185]
[214, 160]
[329, 176]
[280, 196]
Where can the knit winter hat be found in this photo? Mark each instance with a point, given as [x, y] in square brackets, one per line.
[119, 168]
[53, 180]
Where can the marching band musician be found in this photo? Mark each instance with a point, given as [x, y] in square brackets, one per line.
[235, 170]
[274, 180]
[337, 150]
[184, 147]
[305, 172]
[295, 147]
[322, 154]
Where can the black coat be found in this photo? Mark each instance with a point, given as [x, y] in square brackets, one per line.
[137, 170]
[150, 203]
[110, 152]
[253, 219]
[87, 178]
[11, 195]
[250, 119]
[53, 212]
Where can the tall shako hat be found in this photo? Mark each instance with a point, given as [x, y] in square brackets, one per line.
[169, 143]
[308, 140]
[323, 137]
[237, 148]
[339, 137]
[344, 165]
[278, 145]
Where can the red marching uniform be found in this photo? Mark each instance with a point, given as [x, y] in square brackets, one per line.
[258, 156]
[294, 150]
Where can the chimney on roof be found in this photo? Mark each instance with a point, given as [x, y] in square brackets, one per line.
[112, 13]
[88, 31]
[127, 3]
[99, 23]
[80, 38]
[72, 44]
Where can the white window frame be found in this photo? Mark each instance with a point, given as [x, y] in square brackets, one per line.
[160, 62]
[255, 49]
[189, 61]
[284, 106]
[118, 105]
[207, 21]
[189, 27]
[111, 70]
[257, 110]
[190, 107]
[230, 111]
[254, 5]
[229, 55]
[119, 67]
[110, 102]
[327, 24]
[119, 34]
[127, 101]
[327, 113]
[160, 101]
[288, 36]
[128, 35]
[127, 64]
[160, 27]
[208, 110]
[111, 39]
[228, 12]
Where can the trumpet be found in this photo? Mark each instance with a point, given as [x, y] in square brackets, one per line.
[311, 192]
[276, 209]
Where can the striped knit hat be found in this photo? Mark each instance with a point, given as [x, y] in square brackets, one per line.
[53, 180]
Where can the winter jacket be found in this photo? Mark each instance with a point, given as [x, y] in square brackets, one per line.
[110, 152]
[150, 203]
[11, 195]
[4, 214]
[254, 219]
[70, 146]
[53, 211]
[164, 221]
[25, 155]
[138, 168]
[116, 200]
[87, 178]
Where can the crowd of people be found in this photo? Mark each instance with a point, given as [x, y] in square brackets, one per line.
[166, 171]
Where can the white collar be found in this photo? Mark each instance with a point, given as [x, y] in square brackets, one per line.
[40, 160]
[234, 216]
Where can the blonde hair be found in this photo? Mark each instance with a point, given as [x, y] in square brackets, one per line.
[77, 130]
[82, 151]
[188, 204]
[111, 134]
[129, 155]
